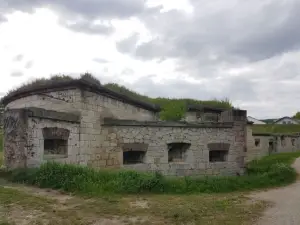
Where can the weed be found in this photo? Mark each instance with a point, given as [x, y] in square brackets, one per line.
[270, 171]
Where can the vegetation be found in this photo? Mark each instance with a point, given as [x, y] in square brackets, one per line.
[172, 109]
[1, 148]
[297, 116]
[276, 128]
[268, 172]
[26, 205]
[267, 163]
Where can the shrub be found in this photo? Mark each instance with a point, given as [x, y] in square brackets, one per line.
[270, 171]
[1, 148]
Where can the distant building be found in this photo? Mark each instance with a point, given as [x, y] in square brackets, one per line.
[286, 120]
[269, 121]
[254, 120]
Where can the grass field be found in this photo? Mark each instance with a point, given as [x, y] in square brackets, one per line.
[26, 205]
[277, 128]
[270, 171]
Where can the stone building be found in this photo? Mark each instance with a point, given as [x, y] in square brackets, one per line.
[263, 144]
[84, 123]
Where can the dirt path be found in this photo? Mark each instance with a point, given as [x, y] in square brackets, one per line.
[286, 208]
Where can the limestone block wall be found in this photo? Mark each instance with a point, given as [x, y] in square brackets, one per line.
[71, 100]
[27, 132]
[116, 135]
[15, 138]
[192, 116]
[92, 108]
[258, 146]
[287, 143]
[36, 142]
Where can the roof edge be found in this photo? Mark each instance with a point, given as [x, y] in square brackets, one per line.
[194, 108]
[82, 85]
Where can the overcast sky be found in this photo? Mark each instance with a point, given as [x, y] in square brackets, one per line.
[247, 51]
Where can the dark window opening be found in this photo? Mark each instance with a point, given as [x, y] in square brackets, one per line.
[271, 144]
[282, 141]
[257, 142]
[293, 142]
[133, 157]
[177, 151]
[55, 147]
[218, 156]
[212, 117]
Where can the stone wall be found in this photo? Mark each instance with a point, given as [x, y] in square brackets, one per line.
[118, 135]
[83, 127]
[25, 133]
[15, 138]
[260, 149]
[36, 141]
[92, 108]
[87, 102]
[260, 145]
[287, 143]
[31, 134]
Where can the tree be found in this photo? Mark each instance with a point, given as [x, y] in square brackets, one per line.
[297, 116]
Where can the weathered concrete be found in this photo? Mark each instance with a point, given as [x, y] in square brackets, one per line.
[195, 159]
[15, 138]
[99, 129]
[262, 144]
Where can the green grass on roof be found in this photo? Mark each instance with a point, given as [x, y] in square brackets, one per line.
[276, 128]
[172, 109]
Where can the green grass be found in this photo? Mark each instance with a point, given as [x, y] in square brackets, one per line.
[1, 148]
[19, 205]
[276, 128]
[271, 171]
[172, 109]
[266, 163]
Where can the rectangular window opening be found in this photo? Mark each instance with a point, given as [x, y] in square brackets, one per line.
[133, 157]
[257, 142]
[177, 151]
[293, 142]
[218, 156]
[282, 138]
[55, 148]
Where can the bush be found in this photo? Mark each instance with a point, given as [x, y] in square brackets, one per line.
[1, 148]
[270, 171]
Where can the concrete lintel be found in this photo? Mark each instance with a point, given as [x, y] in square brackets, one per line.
[134, 123]
[53, 115]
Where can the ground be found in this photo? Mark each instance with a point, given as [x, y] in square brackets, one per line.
[28, 205]
[286, 202]
[24, 205]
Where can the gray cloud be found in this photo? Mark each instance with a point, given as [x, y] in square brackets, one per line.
[239, 89]
[88, 27]
[128, 44]
[100, 60]
[86, 11]
[18, 58]
[127, 71]
[219, 36]
[85, 8]
[29, 64]
[171, 88]
[2, 19]
[16, 74]
[232, 30]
